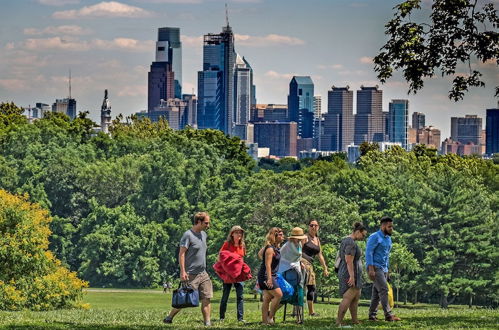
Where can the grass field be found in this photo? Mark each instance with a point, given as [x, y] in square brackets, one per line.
[145, 309]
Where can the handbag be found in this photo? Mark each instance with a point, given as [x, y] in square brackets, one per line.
[286, 288]
[185, 296]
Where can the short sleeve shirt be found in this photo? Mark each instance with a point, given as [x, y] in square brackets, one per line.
[195, 256]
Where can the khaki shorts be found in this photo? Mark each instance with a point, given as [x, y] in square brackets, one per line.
[202, 283]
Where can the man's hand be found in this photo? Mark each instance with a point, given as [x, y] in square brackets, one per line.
[184, 277]
[372, 273]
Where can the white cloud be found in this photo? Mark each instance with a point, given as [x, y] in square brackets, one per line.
[13, 84]
[268, 40]
[58, 2]
[72, 44]
[192, 41]
[103, 9]
[133, 90]
[275, 75]
[331, 66]
[366, 60]
[62, 29]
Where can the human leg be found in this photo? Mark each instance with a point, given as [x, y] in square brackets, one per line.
[239, 300]
[267, 297]
[225, 298]
[348, 296]
[373, 307]
[310, 299]
[275, 302]
[354, 305]
[382, 288]
[206, 310]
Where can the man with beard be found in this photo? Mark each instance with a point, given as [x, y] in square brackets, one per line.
[378, 249]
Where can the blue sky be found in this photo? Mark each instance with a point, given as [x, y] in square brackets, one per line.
[110, 44]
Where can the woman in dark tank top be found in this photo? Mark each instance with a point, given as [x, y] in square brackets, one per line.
[311, 249]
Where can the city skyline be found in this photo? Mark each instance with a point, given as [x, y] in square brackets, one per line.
[110, 45]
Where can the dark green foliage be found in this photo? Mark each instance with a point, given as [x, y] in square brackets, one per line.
[457, 33]
[121, 202]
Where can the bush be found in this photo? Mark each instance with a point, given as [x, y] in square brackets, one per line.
[31, 277]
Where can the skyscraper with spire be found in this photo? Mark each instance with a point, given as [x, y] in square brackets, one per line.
[66, 105]
[216, 82]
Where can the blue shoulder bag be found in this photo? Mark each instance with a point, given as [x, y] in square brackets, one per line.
[185, 296]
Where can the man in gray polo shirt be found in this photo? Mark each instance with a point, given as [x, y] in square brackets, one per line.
[192, 260]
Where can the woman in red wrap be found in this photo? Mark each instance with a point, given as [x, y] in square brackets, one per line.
[233, 244]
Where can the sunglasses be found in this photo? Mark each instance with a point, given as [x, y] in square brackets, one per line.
[312, 225]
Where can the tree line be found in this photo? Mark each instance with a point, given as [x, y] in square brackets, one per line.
[120, 202]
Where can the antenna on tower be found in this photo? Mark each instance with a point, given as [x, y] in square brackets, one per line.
[70, 83]
[226, 14]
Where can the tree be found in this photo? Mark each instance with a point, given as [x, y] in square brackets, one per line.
[31, 277]
[457, 34]
[402, 263]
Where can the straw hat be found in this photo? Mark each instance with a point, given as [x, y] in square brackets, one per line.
[297, 233]
[236, 228]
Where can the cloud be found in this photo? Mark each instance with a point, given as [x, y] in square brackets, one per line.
[13, 84]
[192, 41]
[268, 40]
[103, 9]
[72, 44]
[331, 66]
[173, 1]
[133, 90]
[62, 29]
[58, 2]
[275, 75]
[366, 60]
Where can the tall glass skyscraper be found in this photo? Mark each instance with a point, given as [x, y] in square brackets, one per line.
[301, 104]
[244, 90]
[397, 121]
[216, 82]
[338, 123]
[165, 75]
[492, 131]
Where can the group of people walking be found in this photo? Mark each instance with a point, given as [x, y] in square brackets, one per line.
[296, 255]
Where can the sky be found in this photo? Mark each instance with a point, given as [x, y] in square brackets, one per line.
[111, 44]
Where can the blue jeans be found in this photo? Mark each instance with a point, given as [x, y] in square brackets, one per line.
[239, 300]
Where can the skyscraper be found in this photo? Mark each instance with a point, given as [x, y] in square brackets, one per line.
[301, 104]
[492, 131]
[317, 106]
[191, 112]
[369, 118]
[397, 121]
[243, 91]
[66, 106]
[418, 120]
[466, 129]
[338, 122]
[165, 75]
[216, 82]
[280, 137]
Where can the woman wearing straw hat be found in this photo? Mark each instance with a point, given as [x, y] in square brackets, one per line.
[234, 244]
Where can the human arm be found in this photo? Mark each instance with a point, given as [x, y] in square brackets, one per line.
[260, 253]
[372, 242]
[181, 260]
[349, 261]
[322, 260]
[269, 253]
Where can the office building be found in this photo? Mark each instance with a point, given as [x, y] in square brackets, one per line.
[66, 106]
[369, 125]
[338, 125]
[301, 104]
[243, 91]
[397, 121]
[245, 132]
[418, 120]
[191, 112]
[171, 110]
[216, 82]
[317, 107]
[492, 131]
[429, 136]
[269, 112]
[280, 137]
[466, 129]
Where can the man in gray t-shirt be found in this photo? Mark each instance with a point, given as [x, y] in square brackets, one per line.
[192, 260]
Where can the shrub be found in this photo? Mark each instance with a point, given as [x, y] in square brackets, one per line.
[31, 277]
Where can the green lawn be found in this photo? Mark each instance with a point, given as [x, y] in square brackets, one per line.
[145, 309]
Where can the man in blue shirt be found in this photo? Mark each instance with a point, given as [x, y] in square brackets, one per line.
[378, 249]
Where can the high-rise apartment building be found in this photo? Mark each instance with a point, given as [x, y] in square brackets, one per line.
[466, 129]
[492, 131]
[397, 121]
[216, 82]
[301, 104]
[243, 91]
[418, 120]
[369, 125]
[338, 125]
[317, 107]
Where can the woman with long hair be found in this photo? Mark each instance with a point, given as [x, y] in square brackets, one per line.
[235, 244]
[267, 275]
[350, 273]
[312, 248]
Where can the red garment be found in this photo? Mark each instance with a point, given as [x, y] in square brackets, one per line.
[236, 249]
[231, 268]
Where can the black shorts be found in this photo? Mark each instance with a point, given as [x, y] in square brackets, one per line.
[263, 285]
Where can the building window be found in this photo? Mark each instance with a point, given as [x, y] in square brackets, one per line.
[161, 49]
[300, 91]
